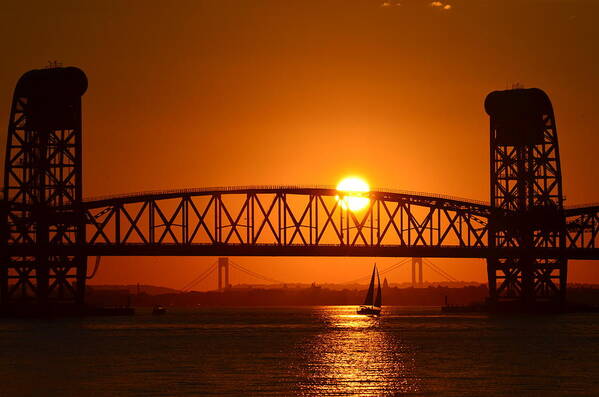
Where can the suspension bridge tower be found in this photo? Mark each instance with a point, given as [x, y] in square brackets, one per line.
[526, 183]
[223, 270]
[43, 189]
[417, 269]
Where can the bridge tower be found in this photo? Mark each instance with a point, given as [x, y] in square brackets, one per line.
[526, 183]
[42, 189]
[223, 267]
[417, 267]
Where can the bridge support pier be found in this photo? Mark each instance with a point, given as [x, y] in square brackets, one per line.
[43, 192]
[526, 182]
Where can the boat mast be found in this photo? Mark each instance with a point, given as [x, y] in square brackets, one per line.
[379, 296]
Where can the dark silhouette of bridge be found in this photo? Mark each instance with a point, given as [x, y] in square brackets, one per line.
[48, 228]
[223, 265]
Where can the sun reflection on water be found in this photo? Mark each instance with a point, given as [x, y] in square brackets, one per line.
[356, 355]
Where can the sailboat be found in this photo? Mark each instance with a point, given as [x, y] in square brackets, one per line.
[371, 304]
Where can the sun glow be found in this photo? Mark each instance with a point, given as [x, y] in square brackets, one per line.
[354, 190]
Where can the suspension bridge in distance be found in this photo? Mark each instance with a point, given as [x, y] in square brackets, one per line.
[48, 230]
[223, 266]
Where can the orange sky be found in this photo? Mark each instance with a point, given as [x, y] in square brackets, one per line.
[212, 93]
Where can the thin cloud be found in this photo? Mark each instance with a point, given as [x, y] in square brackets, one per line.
[441, 6]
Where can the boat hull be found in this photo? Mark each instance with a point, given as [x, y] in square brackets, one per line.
[372, 311]
[158, 310]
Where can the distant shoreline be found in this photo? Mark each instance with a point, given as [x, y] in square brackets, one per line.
[311, 296]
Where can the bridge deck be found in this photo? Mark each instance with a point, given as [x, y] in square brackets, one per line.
[328, 250]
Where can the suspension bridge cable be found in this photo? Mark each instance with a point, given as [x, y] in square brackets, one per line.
[255, 274]
[393, 267]
[447, 275]
[241, 269]
[189, 283]
[382, 272]
[197, 279]
[387, 270]
[439, 271]
[436, 271]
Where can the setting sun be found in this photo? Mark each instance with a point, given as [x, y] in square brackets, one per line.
[353, 197]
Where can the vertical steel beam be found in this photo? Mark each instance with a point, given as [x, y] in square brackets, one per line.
[4, 257]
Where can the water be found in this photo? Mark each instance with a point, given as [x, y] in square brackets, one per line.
[311, 351]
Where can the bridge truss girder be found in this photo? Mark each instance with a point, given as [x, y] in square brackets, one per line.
[283, 217]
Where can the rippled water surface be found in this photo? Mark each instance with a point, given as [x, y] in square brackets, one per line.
[301, 351]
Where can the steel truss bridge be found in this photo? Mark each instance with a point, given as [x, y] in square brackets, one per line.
[49, 230]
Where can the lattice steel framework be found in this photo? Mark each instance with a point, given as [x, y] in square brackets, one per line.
[282, 217]
[526, 183]
[43, 171]
[582, 228]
